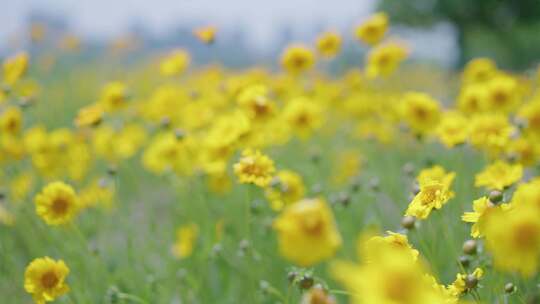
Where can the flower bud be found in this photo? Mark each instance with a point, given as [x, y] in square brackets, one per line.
[408, 222]
[469, 247]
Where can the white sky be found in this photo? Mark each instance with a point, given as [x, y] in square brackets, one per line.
[260, 19]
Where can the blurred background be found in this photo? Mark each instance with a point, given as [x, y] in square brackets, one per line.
[440, 32]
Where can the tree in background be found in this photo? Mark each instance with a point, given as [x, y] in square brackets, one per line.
[505, 30]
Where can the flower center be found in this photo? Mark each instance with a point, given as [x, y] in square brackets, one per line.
[60, 205]
[49, 280]
[526, 236]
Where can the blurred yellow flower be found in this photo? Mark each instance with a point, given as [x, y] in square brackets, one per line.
[297, 59]
[306, 232]
[329, 44]
[372, 30]
[421, 112]
[286, 188]
[89, 116]
[513, 237]
[114, 96]
[15, 67]
[206, 34]
[499, 175]
[186, 237]
[482, 207]
[45, 279]
[384, 59]
[57, 203]
[175, 63]
[453, 129]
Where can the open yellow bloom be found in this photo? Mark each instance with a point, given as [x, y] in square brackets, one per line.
[255, 101]
[373, 29]
[453, 129]
[57, 203]
[481, 209]
[513, 237]
[432, 195]
[384, 59]
[303, 115]
[435, 173]
[186, 236]
[479, 70]
[175, 63]
[329, 44]
[254, 168]
[15, 67]
[528, 194]
[472, 99]
[286, 188]
[392, 275]
[371, 248]
[307, 233]
[421, 112]
[45, 279]
[499, 175]
[297, 59]
[10, 121]
[502, 94]
[490, 132]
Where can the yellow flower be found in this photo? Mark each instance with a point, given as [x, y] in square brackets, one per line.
[373, 29]
[255, 101]
[435, 173]
[15, 67]
[307, 233]
[206, 34]
[175, 63]
[472, 99]
[45, 279]
[499, 175]
[303, 115]
[479, 70]
[453, 129]
[482, 207]
[186, 237]
[10, 121]
[421, 112]
[57, 203]
[458, 287]
[114, 96]
[530, 112]
[286, 188]
[297, 59]
[513, 237]
[89, 116]
[433, 194]
[384, 59]
[490, 132]
[525, 149]
[502, 94]
[527, 194]
[391, 276]
[329, 44]
[254, 168]
[371, 248]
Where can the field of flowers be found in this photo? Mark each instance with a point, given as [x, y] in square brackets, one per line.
[165, 182]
